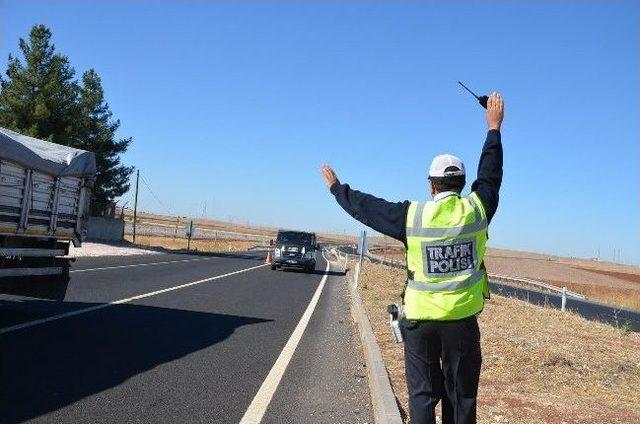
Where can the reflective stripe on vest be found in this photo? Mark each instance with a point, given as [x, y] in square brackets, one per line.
[417, 230]
[475, 277]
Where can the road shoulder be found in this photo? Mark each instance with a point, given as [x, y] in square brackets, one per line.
[326, 380]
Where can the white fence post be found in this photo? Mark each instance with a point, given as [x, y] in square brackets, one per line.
[564, 299]
[362, 249]
[356, 274]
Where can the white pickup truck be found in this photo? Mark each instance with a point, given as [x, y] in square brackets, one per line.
[44, 201]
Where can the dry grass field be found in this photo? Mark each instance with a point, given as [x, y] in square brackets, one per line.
[204, 245]
[223, 226]
[607, 282]
[209, 224]
[540, 366]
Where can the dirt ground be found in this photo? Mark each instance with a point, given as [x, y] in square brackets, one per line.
[539, 365]
[607, 282]
[104, 249]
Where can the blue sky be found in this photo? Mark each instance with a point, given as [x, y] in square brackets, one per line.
[237, 103]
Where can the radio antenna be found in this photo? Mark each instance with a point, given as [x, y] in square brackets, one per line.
[482, 99]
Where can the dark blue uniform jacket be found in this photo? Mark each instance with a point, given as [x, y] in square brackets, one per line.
[390, 218]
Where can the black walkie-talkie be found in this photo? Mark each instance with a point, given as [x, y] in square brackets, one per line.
[482, 99]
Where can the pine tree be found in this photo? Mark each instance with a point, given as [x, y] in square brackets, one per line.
[98, 134]
[41, 98]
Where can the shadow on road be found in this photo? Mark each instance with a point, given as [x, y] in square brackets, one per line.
[253, 255]
[48, 367]
[330, 273]
[315, 272]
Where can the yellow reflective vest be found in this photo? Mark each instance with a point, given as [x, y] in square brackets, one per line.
[446, 241]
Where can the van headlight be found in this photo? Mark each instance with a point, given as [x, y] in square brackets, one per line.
[276, 252]
[308, 255]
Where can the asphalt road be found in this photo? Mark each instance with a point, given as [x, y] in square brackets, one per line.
[191, 340]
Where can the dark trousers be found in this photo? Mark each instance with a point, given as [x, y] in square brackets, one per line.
[442, 362]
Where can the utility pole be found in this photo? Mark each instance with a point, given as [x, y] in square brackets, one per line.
[135, 206]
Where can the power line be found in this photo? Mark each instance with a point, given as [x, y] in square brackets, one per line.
[154, 195]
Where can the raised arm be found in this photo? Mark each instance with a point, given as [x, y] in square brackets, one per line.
[385, 217]
[487, 185]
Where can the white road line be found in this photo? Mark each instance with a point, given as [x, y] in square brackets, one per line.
[261, 401]
[117, 302]
[143, 264]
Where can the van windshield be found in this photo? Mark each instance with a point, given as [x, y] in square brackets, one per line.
[294, 237]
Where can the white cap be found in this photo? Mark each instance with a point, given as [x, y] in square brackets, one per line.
[442, 162]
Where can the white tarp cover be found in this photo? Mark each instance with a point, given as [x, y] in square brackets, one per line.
[50, 158]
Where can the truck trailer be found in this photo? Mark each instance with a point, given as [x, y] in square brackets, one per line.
[45, 190]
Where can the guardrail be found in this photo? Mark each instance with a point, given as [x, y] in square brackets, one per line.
[563, 290]
[338, 254]
[506, 278]
[396, 263]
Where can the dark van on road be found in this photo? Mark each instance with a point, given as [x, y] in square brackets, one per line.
[295, 249]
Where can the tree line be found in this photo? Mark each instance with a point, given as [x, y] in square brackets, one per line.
[42, 98]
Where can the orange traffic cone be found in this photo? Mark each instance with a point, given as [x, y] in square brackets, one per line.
[268, 260]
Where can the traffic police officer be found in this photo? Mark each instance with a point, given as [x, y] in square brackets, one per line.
[447, 282]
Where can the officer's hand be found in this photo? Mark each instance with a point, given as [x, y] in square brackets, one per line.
[495, 111]
[330, 177]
